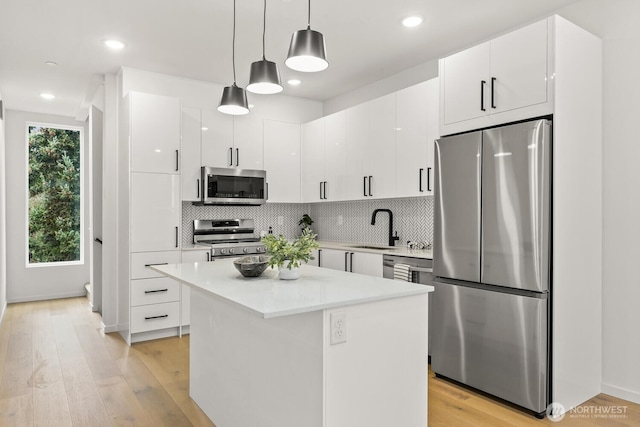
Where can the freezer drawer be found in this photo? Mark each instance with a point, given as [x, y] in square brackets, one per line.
[492, 341]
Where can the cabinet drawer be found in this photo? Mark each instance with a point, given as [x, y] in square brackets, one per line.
[140, 260]
[154, 291]
[155, 316]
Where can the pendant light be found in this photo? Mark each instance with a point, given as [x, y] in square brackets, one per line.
[307, 52]
[234, 98]
[264, 78]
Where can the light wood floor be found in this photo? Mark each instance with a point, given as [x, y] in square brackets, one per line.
[58, 369]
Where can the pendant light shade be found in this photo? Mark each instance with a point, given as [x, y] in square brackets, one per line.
[307, 51]
[234, 101]
[234, 98]
[264, 78]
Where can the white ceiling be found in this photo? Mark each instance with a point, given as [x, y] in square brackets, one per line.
[192, 38]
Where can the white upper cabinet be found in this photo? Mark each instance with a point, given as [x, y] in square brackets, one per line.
[335, 164]
[417, 128]
[282, 161]
[381, 170]
[357, 134]
[312, 161]
[216, 139]
[231, 141]
[155, 133]
[190, 150]
[155, 212]
[497, 81]
[247, 142]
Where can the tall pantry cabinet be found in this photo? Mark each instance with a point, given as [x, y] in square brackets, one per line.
[149, 216]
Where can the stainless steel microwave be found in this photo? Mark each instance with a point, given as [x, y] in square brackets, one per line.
[230, 186]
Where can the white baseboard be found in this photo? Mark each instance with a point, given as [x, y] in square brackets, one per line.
[622, 393]
[110, 328]
[73, 294]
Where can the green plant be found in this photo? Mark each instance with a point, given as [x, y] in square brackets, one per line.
[305, 221]
[297, 251]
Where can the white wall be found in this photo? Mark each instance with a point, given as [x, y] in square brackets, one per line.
[3, 216]
[29, 284]
[404, 79]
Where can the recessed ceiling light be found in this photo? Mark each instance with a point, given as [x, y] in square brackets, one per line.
[204, 128]
[251, 105]
[51, 63]
[114, 44]
[47, 96]
[412, 21]
[294, 82]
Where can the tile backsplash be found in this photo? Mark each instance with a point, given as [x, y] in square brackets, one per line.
[351, 221]
[334, 221]
[265, 216]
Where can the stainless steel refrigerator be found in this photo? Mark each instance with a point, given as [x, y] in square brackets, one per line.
[492, 231]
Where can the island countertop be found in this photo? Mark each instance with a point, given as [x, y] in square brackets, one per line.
[267, 296]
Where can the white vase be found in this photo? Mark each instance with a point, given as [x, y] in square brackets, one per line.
[288, 274]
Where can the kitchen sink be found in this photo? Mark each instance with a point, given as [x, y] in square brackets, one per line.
[378, 248]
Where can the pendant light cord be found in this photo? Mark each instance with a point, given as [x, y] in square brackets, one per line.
[264, 28]
[309, 16]
[233, 48]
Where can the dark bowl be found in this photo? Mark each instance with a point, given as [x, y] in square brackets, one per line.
[252, 266]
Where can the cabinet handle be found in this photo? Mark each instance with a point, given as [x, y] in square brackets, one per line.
[482, 83]
[267, 185]
[420, 180]
[176, 237]
[370, 194]
[230, 156]
[177, 162]
[351, 262]
[429, 179]
[319, 260]
[320, 190]
[198, 187]
[156, 291]
[346, 257]
[493, 80]
[97, 240]
[325, 189]
[158, 263]
[237, 157]
[208, 257]
[364, 186]
[156, 317]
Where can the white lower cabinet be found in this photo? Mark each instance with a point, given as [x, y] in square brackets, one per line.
[366, 263]
[154, 291]
[153, 317]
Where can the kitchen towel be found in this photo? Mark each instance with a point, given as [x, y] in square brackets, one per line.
[402, 272]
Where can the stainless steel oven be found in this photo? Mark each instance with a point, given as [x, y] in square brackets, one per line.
[227, 237]
[228, 186]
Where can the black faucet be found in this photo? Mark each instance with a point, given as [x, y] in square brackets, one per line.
[392, 238]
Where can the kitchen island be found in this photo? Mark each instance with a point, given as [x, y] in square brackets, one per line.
[330, 349]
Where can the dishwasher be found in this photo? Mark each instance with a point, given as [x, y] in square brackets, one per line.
[421, 272]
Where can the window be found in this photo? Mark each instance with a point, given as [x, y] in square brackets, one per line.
[54, 194]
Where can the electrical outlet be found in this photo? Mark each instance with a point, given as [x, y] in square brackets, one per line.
[280, 220]
[338, 327]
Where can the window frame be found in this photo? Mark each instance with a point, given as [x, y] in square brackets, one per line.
[80, 261]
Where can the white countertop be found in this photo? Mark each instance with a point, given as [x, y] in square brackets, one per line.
[385, 250]
[267, 296]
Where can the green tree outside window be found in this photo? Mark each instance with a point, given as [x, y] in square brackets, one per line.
[54, 195]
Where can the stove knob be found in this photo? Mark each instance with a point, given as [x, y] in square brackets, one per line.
[260, 249]
[231, 250]
[245, 250]
[223, 251]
